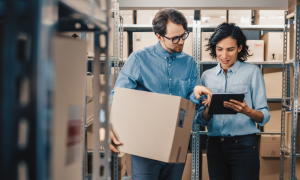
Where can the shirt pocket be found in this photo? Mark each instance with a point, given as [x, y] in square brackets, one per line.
[241, 88]
[184, 87]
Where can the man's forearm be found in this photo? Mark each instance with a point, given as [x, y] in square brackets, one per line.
[205, 115]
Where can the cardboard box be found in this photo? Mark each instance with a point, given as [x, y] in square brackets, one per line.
[204, 41]
[205, 175]
[213, 17]
[68, 101]
[292, 4]
[187, 172]
[274, 124]
[127, 16]
[145, 39]
[139, 115]
[273, 42]
[269, 146]
[270, 168]
[269, 17]
[256, 48]
[240, 17]
[288, 131]
[121, 166]
[146, 16]
[273, 79]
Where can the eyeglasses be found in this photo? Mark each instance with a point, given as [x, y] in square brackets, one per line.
[176, 39]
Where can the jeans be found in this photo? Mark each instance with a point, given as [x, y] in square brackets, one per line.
[233, 158]
[148, 169]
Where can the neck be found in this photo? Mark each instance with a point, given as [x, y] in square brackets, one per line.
[165, 47]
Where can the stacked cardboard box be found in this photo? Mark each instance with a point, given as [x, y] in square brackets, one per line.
[160, 125]
[274, 46]
[213, 17]
[187, 173]
[205, 175]
[269, 146]
[204, 41]
[274, 124]
[145, 39]
[269, 17]
[146, 16]
[288, 131]
[273, 79]
[68, 100]
[240, 17]
[292, 4]
[256, 49]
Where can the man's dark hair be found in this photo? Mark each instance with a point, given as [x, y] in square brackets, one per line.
[229, 30]
[161, 19]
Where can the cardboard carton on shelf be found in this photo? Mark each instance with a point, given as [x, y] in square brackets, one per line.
[269, 17]
[273, 88]
[274, 124]
[213, 17]
[256, 49]
[240, 17]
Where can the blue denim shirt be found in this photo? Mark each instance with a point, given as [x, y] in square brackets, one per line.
[244, 78]
[154, 69]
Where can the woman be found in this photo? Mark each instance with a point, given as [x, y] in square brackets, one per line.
[231, 146]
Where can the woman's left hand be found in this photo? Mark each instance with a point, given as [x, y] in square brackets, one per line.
[240, 107]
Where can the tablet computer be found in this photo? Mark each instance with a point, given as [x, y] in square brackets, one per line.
[217, 103]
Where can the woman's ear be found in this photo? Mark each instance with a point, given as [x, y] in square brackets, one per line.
[240, 48]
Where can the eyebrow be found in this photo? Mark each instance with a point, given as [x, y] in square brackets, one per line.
[227, 48]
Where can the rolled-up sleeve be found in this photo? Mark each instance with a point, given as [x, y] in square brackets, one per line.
[199, 111]
[258, 93]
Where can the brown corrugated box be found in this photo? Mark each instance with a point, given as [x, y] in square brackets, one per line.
[288, 132]
[205, 175]
[68, 102]
[187, 172]
[144, 39]
[213, 17]
[273, 79]
[269, 17]
[292, 4]
[240, 17]
[274, 124]
[204, 41]
[270, 168]
[256, 49]
[274, 46]
[269, 145]
[152, 125]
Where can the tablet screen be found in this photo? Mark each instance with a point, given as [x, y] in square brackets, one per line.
[217, 103]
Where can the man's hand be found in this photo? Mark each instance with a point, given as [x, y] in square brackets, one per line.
[115, 142]
[201, 90]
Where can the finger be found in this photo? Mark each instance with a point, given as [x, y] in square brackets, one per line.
[236, 102]
[114, 139]
[113, 149]
[209, 96]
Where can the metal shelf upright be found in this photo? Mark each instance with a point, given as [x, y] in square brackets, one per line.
[294, 101]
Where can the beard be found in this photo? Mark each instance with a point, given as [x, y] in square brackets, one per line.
[177, 49]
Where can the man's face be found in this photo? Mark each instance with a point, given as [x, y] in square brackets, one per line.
[173, 30]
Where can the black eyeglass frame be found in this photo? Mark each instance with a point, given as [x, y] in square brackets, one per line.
[179, 37]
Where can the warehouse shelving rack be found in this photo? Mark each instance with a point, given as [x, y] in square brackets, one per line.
[197, 129]
[31, 25]
[293, 103]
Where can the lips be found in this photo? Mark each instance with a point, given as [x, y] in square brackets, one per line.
[225, 61]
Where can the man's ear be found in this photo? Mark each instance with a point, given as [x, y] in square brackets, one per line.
[159, 37]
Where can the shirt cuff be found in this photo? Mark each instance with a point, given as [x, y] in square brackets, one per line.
[198, 117]
[267, 116]
[194, 99]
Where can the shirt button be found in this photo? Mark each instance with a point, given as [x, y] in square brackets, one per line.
[169, 64]
[170, 79]
[222, 139]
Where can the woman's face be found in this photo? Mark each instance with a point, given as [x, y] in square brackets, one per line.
[227, 52]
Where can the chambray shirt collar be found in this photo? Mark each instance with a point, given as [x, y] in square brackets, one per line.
[233, 69]
[164, 53]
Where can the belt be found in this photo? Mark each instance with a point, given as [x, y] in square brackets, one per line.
[228, 139]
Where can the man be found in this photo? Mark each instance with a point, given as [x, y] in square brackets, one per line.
[161, 68]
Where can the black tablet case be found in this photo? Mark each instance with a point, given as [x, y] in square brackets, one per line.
[217, 106]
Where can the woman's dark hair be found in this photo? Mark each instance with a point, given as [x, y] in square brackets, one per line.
[161, 19]
[229, 30]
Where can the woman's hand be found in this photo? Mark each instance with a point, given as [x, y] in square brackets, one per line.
[240, 107]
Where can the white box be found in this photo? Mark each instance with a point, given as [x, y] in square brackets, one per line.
[145, 39]
[269, 17]
[204, 41]
[127, 16]
[213, 17]
[240, 17]
[256, 49]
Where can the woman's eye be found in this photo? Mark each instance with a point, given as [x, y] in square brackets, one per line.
[230, 50]
[219, 49]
